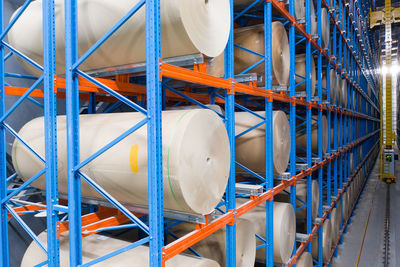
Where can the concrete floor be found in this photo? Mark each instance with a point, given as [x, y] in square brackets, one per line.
[372, 201]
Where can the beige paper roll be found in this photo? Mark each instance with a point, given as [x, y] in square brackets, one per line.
[344, 93]
[345, 203]
[301, 71]
[284, 229]
[305, 260]
[250, 147]
[339, 89]
[187, 27]
[95, 246]
[335, 223]
[314, 29]
[301, 194]
[253, 38]
[325, 29]
[301, 138]
[332, 82]
[326, 242]
[351, 161]
[196, 157]
[214, 246]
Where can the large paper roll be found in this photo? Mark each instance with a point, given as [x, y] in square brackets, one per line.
[301, 195]
[351, 162]
[326, 242]
[325, 29]
[301, 138]
[335, 223]
[339, 89]
[301, 71]
[252, 38]
[332, 85]
[214, 246]
[196, 157]
[314, 28]
[305, 260]
[345, 207]
[344, 93]
[96, 246]
[187, 27]
[250, 147]
[284, 229]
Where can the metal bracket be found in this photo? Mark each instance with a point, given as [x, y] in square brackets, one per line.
[301, 237]
[140, 68]
[280, 88]
[285, 176]
[249, 189]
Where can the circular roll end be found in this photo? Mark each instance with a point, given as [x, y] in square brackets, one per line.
[325, 134]
[325, 28]
[300, 9]
[281, 139]
[315, 198]
[207, 23]
[305, 260]
[333, 86]
[286, 232]
[344, 93]
[338, 90]
[327, 240]
[280, 53]
[245, 243]
[202, 149]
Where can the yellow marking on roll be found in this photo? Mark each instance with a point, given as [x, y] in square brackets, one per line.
[134, 158]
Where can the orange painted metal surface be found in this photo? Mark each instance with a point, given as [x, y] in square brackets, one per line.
[21, 210]
[92, 222]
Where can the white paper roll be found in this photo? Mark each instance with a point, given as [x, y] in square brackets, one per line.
[345, 203]
[250, 147]
[344, 93]
[214, 246]
[332, 83]
[305, 260]
[339, 89]
[301, 195]
[301, 71]
[325, 29]
[314, 29]
[252, 38]
[301, 138]
[284, 228]
[95, 246]
[335, 223]
[351, 162]
[187, 27]
[326, 242]
[196, 157]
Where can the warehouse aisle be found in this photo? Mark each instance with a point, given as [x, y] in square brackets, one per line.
[369, 216]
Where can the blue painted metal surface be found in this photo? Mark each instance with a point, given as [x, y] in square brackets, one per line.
[230, 127]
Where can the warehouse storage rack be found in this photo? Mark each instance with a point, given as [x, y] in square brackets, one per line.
[348, 41]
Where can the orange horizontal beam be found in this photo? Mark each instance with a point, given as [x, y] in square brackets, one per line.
[21, 210]
[192, 238]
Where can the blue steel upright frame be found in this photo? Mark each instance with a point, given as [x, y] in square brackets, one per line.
[50, 158]
[155, 230]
